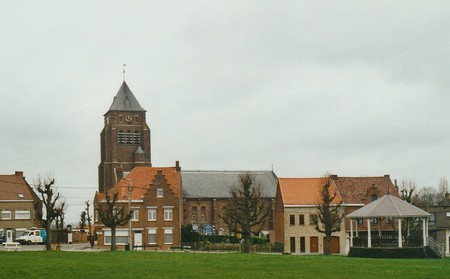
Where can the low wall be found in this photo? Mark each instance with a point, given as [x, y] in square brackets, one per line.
[388, 252]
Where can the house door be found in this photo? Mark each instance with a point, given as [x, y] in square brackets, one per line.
[314, 244]
[292, 244]
[335, 246]
[9, 235]
[138, 240]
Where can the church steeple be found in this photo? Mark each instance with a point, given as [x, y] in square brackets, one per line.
[125, 139]
[125, 100]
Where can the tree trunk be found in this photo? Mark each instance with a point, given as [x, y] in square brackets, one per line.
[327, 244]
[48, 231]
[247, 239]
[113, 238]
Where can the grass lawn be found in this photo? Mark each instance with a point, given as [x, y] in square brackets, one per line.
[142, 264]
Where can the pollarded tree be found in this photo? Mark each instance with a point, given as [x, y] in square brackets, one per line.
[53, 206]
[247, 211]
[112, 216]
[330, 217]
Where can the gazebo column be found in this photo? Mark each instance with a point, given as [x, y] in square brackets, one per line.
[424, 231]
[369, 238]
[400, 244]
[351, 233]
[357, 225]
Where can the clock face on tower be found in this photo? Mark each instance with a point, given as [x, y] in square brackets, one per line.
[128, 118]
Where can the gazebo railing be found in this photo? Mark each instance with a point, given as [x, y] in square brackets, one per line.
[388, 241]
[438, 248]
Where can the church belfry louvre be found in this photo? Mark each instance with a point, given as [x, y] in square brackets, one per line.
[124, 140]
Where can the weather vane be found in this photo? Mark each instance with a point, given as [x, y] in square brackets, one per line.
[123, 71]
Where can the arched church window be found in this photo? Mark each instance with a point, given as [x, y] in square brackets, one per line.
[120, 137]
[194, 215]
[203, 214]
[129, 137]
[137, 137]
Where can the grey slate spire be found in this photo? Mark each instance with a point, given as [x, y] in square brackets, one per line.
[125, 100]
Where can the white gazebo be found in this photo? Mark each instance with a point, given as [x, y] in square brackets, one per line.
[389, 207]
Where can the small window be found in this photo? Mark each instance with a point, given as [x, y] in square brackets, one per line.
[22, 215]
[301, 219]
[168, 214]
[159, 192]
[389, 220]
[373, 197]
[152, 214]
[313, 219]
[360, 221]
[168, 235]
[374, 221]
[292, 219]
[152, 236]
[120, 118]
[432, 220]
[448, 214]
[21, 196]
[135, 215]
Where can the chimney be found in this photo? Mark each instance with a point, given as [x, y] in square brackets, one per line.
[387, 176]
[177, 166]
[19, 173]
[334, 176]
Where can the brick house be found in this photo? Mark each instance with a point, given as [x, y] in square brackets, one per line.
[20, 206]
[439, 222]
[207, 193]
[356, 192]
[296, 206]
[156, 201]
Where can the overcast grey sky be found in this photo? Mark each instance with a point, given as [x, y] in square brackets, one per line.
[356, 88]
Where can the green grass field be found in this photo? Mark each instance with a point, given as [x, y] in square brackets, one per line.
[123, 264]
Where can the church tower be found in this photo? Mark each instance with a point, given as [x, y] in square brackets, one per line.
[124, 140]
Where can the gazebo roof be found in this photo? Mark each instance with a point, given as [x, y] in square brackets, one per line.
[388, 206]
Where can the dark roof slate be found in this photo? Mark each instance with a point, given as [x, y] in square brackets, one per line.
[125, 100]
[217, 184]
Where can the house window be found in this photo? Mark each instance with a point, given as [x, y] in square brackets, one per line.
[135, 215]
[292, 219]
[121, 237]
[6, 214]
[194, 215]
[448, 214]
[22, 215]
[203, 214]
[302, 244]
[360, 221]
[374, 221]
[152, 214]
[313, 219]
[168, 214]
[301, 219]
[373, 197]
[168, 236]
[152, 236]
[159, 192]
[432, 220]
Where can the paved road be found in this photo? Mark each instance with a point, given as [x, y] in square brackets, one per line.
[81, 247]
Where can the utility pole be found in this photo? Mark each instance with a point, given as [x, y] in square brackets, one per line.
[130, 243]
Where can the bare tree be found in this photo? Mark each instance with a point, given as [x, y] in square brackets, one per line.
[330, 217]
[407, 189]
[112, 216]
[247, 212]
[82, 222]
[89, 219]
[52, 205]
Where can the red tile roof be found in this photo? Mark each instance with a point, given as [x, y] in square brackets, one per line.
[303, 191]
[12, 187]
[354, 190]
[141, 178]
